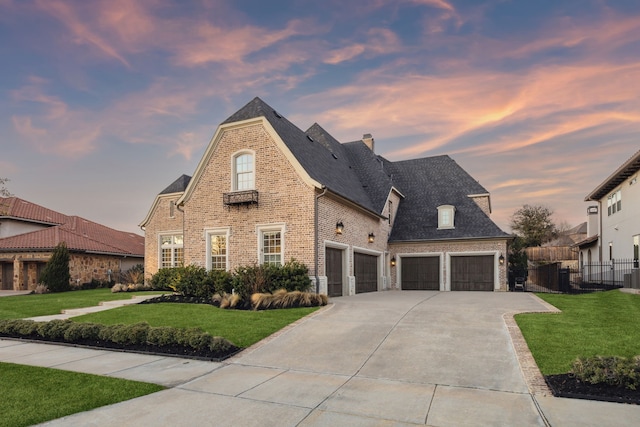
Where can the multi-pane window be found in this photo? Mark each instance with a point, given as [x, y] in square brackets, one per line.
[243, 172]
[171, 250]
[614, 202]
[218, 251]
[445, 216]
[272, 247]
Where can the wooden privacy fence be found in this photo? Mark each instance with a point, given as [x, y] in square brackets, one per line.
[551, 254]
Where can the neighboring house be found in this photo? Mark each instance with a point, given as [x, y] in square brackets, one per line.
[29, 233]
[266, 192]
[614, 223]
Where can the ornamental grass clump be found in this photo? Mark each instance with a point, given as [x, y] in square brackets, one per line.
[610, 370]
[283, 299]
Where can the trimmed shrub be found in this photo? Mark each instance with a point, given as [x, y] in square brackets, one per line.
[56, 274]
[222, 281]
[165, 279]
[611, 370]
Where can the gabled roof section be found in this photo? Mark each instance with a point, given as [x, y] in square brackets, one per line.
[79, 234]
[323, 158]
[372, 173]
[627, 169]
[177, 186]
[16, 208]
[431, 182]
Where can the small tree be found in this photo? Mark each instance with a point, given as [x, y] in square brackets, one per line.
[4, 192]
[56, 274]
[533, 224]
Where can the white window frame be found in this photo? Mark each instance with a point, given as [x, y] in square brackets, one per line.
[445, 211]
[172, 246]
[268, 228]
[234, 171]
[208, 233]
[614, 202]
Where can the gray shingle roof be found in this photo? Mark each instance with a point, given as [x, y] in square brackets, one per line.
[428, 183]
[354, 172]
[177, 186]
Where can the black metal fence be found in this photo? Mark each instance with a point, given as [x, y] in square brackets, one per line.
[591, 277]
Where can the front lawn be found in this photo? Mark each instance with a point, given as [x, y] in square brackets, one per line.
[32, 395]
[597, 324]
[21, 306]
[242, 327]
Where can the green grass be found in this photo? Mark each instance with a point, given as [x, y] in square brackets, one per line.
[32, 395]
[242, 327]
[597, 324]
[20, 306]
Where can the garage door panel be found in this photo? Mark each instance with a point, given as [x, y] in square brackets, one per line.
[366, 272]
[420, 273]
[333, 266]
[472, 273]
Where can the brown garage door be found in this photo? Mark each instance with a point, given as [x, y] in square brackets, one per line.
[333, 262]
[420, 273]
[366, 269]
[472, 273]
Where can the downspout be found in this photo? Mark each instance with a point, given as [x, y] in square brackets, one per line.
[184, 249]
[316, 237]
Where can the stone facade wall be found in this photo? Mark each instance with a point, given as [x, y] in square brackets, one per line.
[442, 248]
[284, 199]
[159, 222]
[83, 268]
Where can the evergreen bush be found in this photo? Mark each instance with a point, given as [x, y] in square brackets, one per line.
[56, 274]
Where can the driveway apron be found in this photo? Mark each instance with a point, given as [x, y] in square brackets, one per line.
[387, 358]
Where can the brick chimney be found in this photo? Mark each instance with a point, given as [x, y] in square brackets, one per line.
[368, 140]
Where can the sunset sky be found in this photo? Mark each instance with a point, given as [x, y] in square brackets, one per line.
[105, 103]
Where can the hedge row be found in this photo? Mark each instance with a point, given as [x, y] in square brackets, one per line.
[139, 334]
[194, 281]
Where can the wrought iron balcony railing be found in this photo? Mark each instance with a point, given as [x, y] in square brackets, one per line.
[248, 197]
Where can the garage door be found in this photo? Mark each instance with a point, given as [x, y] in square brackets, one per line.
[333, 262]
[420, 273]
[472, 273]
[366, 269]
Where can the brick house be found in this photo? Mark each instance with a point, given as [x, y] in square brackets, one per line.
[30, 232]
[266, 192]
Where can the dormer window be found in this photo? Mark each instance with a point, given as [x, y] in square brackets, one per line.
[243, 172]
[446, 216]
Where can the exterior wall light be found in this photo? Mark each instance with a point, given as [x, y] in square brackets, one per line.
[393, 261]
[372, 237]
[501, 259]
[339, 227]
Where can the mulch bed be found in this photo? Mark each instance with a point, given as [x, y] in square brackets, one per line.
[175, 351]
[566, 385]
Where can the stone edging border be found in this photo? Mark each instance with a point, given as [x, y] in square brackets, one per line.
[532, 375]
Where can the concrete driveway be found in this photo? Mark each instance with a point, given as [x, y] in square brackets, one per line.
[389, 358]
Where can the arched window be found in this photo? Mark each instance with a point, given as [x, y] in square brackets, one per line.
[243, 172]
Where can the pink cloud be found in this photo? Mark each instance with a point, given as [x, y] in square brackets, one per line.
[378, 41]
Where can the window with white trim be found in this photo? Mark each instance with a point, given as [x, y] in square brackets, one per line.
[614, 202]
[271, 245]
[243, 172]
[217, 250]
[171, 250]
[446, 216]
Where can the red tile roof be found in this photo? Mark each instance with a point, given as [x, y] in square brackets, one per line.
[79, 234]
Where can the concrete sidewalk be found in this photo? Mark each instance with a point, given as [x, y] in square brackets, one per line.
[391, 358]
